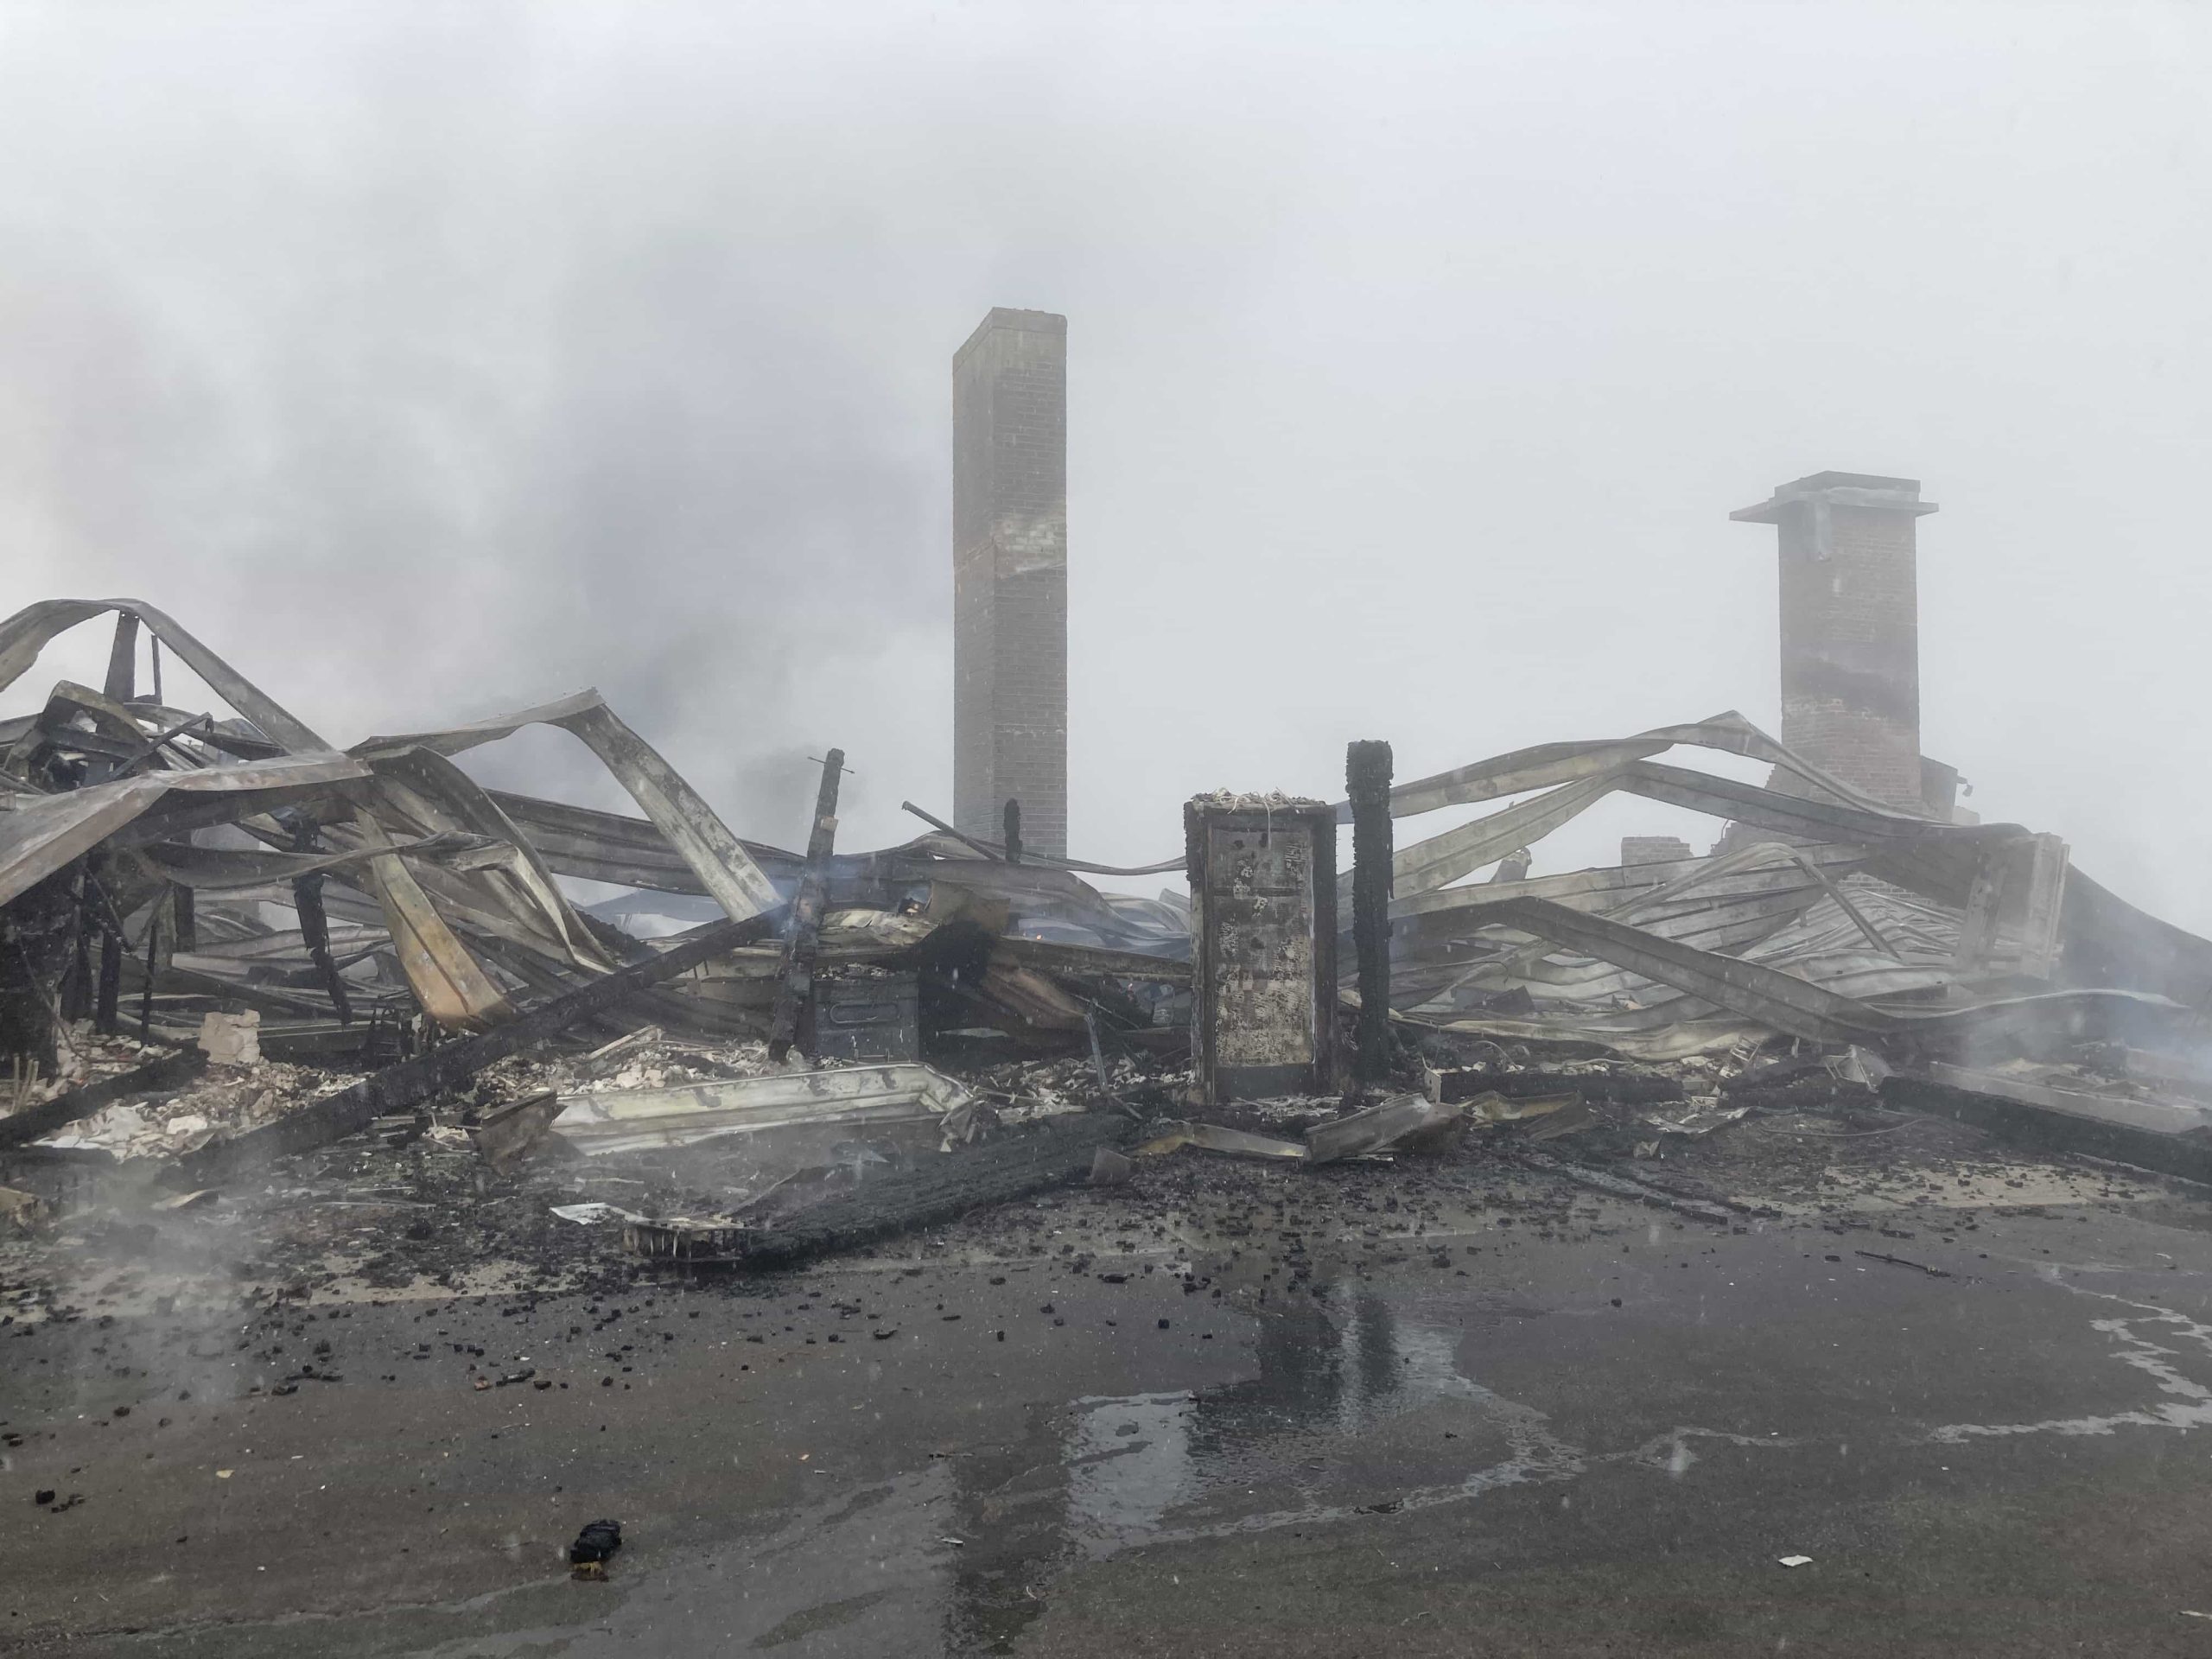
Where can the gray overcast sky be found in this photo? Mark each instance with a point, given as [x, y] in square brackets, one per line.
[428, 359]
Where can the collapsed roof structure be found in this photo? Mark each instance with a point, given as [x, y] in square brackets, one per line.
[385, 917]
[157, 864]
[1844, 921]
[153, 840]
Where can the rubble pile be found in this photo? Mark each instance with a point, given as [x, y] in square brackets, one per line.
[234, 954]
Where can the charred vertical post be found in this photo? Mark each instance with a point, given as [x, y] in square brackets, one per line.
[315, 929]
[121, 685]
[153, 969]
[795, 976]
[1012, 836]
[37, 935]
[1263, 946]
[101, 913]
[1367, 780]
[77, 988]
[315, 923]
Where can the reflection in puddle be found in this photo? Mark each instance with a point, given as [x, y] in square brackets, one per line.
[1271, 1450]
[1349, 1412]
[1128, 1463]
[1135, 1460]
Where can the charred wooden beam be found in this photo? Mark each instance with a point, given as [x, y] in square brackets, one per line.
[315, 923]
[101, 912]
[171, 1071]
[315, 929]
[1089, 960]
[1367, 782]
[981, 847]
[107, 1003]
[121, 660]
[1616, 1088]
[153, 965]
[795, 976]
[37, 937]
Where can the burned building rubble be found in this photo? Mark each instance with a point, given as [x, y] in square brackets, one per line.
[228, 943]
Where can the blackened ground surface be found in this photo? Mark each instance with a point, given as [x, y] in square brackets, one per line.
[1430, 1407]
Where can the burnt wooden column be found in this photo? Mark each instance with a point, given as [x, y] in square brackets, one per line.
[795, 979]
[121, 685]
[1263, 946]
[1367, 780]
[38, 936]
[315, 920]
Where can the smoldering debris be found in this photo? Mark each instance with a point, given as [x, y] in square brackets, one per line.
[231, 954]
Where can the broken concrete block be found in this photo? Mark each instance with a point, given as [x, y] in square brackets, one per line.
[231, 1039]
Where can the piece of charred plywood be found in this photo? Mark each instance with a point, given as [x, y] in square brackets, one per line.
[1263, 887]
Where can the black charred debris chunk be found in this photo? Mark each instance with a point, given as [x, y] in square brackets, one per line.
[596, 1542]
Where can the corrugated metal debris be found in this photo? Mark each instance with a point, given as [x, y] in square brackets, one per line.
[224, 940]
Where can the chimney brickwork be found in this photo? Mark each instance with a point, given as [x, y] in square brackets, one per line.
[1654, 849]
[1010, 577]
[1850, 629]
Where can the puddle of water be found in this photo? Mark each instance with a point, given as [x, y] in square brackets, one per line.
[2140, 1339]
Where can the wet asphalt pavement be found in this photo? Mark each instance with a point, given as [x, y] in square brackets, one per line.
[1549, 1422]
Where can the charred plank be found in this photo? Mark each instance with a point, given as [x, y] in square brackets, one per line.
[170, 1071]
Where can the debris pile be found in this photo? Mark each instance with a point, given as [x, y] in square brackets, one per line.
[224, 943]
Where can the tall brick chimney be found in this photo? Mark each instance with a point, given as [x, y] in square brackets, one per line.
[1850, 629]
[1010, 577]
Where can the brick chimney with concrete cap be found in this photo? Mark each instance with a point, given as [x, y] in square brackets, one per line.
[1850, 629]
[1010, 578]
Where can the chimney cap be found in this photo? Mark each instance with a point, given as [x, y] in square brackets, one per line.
[1841, 490]
[1002, 318]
